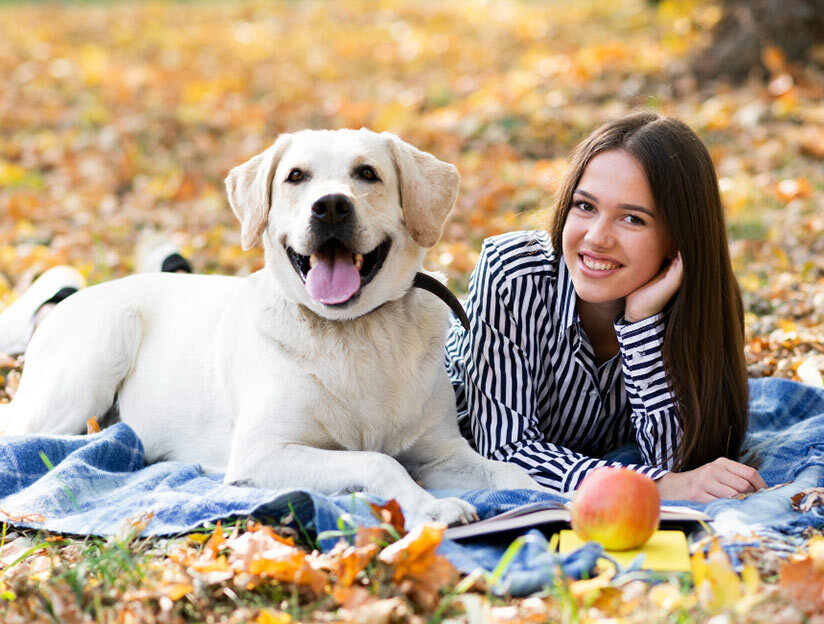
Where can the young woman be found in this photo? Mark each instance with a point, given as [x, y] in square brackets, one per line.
[621, 324]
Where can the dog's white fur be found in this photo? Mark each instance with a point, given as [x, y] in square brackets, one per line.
[251, 376]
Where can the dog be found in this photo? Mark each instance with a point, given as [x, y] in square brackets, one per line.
[323, 370]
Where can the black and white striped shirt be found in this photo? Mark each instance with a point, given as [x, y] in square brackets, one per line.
[527, 386]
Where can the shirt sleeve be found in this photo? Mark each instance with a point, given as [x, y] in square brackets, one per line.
[657, 430]
[500, 388]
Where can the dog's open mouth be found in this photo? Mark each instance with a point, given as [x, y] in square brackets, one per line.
[334, 275]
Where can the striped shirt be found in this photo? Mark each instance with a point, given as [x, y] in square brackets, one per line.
[527, 386]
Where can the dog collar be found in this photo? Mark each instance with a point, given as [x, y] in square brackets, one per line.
[427, 282]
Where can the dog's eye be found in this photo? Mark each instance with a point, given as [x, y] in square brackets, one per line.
[296, 175]
[365, 172]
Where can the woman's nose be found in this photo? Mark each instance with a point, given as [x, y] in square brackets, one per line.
[599, 233]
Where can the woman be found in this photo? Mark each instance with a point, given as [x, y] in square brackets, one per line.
[621, 324]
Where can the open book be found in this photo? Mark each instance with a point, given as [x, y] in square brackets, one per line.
[556, 512]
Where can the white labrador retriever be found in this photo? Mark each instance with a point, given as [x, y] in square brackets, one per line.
[321, 371]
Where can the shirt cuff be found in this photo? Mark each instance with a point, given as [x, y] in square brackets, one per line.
[588, 464]
[641, 345]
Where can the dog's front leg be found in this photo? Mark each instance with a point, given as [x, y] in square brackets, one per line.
[279, 465]
[444, 460]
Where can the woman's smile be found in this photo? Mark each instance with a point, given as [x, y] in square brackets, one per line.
[598, 267]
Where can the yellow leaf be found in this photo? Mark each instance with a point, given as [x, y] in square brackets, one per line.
[199, 538]
[749, 282]
[176, 591]
[11, 174]
[751, 578]
[787, 325]
[717, 585]
[273, 617]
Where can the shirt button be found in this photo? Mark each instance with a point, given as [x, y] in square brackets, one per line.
[643, 385]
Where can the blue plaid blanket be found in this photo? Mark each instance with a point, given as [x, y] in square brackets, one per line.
[92, 485]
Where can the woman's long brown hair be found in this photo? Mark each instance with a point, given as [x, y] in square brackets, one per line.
[703, 347]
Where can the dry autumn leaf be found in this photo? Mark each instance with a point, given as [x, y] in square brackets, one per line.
[349, 561]
[803, 583]
[390, 514]
[416, 566]
[805, 500]
[716, 583]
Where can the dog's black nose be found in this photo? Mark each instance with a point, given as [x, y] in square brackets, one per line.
[332, 209]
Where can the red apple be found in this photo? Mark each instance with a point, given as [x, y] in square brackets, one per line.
[617, 507]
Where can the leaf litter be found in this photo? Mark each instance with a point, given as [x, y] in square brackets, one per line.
[117, 118]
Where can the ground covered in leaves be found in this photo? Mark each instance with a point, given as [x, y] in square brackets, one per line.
[119, 118]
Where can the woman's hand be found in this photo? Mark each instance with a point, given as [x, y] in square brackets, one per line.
[651, 298]
[721, 478]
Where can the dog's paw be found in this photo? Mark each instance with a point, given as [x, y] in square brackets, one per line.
[511, 477]
[451, 511]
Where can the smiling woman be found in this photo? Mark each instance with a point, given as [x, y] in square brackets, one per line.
[623, 325]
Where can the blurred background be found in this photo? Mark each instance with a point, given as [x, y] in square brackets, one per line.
[121, 116]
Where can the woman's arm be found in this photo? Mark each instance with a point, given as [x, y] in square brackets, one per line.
[653, 413]
[657, 431]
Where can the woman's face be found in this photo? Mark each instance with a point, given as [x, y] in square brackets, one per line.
[613, 240]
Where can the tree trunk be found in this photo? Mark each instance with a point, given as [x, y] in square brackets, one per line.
[748, 26]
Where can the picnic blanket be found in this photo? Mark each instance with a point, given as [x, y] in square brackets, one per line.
[92, 485]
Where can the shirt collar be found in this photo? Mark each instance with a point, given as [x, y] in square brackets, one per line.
[566, 303]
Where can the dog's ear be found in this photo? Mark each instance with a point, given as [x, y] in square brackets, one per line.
[249, 187]
[428, 189]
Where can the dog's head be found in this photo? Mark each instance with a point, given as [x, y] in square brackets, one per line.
[344, 215]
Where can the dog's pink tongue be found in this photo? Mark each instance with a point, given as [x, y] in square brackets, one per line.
[333, 280]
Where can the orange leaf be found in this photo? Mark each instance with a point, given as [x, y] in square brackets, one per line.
[290, 567]
[178, 590]
[424, 573]
[391, 514]
[371, 535]
[270, 532]
[217, 541]
[801, 583]
[414, 552]
[33, 517]
[350, 561]
[352, 597]
[793, 188]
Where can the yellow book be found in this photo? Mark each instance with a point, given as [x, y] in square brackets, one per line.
[665, 551]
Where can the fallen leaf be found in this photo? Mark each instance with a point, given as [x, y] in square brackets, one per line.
[176, 591]
[805, 500]
[421, 573]
[267, 616]
[23, 518]
[803, 584]
[349, 561]
[216, 541]
[390, 514]
[716, 583]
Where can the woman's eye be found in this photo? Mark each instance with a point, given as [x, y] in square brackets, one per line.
[365, 172]
[296, 175]
[633, 220]
[583, 205]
